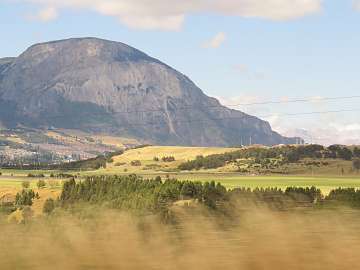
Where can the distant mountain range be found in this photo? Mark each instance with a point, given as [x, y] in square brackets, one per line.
[100, 86]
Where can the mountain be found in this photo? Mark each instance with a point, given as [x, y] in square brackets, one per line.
[107, 87]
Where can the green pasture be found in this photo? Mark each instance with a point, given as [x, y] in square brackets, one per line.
[324, 183]
[229, 180]
[15, 182]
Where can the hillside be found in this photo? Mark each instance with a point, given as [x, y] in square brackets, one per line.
[109, 88]
[151, 158]
[285, 160]
[29, 146]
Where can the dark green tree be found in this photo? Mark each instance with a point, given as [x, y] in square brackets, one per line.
[41, 184]
[24, 198]
[49, 206]
[356, 164]
[357, 152]
[25, 184]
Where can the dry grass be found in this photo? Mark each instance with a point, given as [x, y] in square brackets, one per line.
[260, 240]
[73, 135]
[147, 154]
[8, 193]
[119, 142]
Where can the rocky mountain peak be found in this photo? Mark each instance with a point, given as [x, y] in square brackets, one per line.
[103, 86]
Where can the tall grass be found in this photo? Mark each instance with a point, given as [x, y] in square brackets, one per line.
[257, 239]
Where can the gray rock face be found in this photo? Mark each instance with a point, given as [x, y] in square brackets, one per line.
[104, 86]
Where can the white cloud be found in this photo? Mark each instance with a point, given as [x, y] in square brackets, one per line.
[323, 129]
[44, 14]
[327, 134]
[216, 41]
[170, 14]
[47, 14]
[356, 5]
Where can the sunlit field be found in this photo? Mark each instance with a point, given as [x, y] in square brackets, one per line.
[324, 183]
[229, 180]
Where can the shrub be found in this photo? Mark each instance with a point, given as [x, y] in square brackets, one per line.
[25, 184]
[118, 164]
[357, 152]
[168, 159]
[49, 206]
[135, 163]
[24, 198]
[41, 184]
[356, 164]
[36, 175]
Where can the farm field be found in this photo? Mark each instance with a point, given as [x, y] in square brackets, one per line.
[326, 184]
[229, 180]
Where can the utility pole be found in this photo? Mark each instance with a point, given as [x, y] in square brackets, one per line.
[250, 140]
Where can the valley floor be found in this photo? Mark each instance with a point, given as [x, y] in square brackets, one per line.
[229, 180]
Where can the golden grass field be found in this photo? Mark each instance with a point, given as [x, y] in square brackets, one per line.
[115, 141]
[146, 157]
[11, 185]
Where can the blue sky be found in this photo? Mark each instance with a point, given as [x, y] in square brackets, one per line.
[240, 51]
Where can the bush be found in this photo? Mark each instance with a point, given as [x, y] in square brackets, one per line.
[118, 164]
[62, 175]
[25, 184]
[135, 163]
[356, 164]
[357, 152]
[168, 159]
[41, 184]
[36, 175]
[49, 206]
[24, 198]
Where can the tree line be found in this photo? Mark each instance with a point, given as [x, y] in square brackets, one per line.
[153, 195]
[158, 195]
[288, 154]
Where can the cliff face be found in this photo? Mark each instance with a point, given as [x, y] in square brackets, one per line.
[103, 86]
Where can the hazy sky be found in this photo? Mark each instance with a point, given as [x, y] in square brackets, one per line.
[241, 51]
